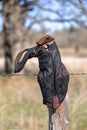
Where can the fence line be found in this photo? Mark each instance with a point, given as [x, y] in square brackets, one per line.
[35, 74]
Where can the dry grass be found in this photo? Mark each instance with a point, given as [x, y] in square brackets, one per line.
[21, 104]
[78, 103]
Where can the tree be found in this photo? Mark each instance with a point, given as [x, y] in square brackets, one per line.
[16, 12]
[13, 25]
[71, 12]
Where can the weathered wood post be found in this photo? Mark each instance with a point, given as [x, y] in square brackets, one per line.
[55, 120]
[58, 119]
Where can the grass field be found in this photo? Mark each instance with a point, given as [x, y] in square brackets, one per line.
[21, 105]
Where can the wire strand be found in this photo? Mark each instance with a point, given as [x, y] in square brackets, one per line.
[35, 74]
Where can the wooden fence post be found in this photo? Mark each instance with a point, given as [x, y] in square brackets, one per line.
[58, 119]
[55, 121]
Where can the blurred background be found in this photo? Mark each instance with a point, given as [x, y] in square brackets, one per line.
[22, 23]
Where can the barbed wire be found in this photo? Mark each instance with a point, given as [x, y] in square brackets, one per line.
[35, 74]
[84, 74]
[18, 75]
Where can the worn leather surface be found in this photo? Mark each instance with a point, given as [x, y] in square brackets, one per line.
[53, 77]
[45, 39]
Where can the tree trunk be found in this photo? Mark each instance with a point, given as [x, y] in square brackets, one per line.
[7, 53]
[7, 40]
[12, 31]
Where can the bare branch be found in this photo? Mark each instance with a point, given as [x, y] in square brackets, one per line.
[48, 9]
[29, 3]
